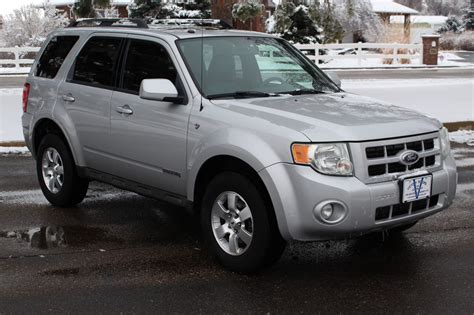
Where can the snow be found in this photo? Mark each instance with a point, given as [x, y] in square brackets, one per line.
[448, 100]
[14, 150]
[445, 59]
[462, 136]
[10, 115]
[420, 19]
[387, 6]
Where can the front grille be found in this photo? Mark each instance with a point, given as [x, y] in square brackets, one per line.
[383, 159]
[404, 209]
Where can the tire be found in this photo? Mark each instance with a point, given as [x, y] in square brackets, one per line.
[266, 244]
[401, 228]
[73, 188]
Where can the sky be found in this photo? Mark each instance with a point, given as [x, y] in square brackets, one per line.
[7, 6]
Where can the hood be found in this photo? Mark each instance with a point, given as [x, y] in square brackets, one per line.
[335, 117]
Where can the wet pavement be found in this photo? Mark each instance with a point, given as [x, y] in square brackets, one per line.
[118, 251]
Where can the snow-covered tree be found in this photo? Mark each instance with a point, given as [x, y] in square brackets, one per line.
[247, 9]
[468, 18]
[29, 25]
[357, 16]
[325, 17]
[145, 8]
[452, 24]
[87, 8]
[302, 29]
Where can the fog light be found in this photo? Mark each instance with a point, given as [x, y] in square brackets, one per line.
[326, 211]
[330, 212]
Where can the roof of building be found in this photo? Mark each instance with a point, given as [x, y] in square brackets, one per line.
[390, 7]
[421, 19]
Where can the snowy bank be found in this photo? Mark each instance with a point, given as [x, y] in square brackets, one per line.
[10, 115]
[462, 136]
[448, 100]
[14, 150]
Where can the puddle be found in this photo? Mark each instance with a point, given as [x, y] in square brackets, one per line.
[49, 237]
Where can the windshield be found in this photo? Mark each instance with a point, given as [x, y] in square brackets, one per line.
[251, 66]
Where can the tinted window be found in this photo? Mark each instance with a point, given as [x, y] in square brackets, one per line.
[147, 60]
[97, 61]
[53, 56]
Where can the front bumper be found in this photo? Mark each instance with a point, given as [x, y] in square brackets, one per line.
[296, 190]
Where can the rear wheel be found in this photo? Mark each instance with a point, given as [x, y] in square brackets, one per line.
[57, 174]
[237, 224]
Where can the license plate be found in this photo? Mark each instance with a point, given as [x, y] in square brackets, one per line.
[416, 188]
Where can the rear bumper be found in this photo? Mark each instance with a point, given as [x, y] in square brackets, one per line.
[26, 121]
[296, 190]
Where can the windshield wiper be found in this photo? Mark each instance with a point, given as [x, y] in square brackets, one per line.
[304, 91]
[242, 94]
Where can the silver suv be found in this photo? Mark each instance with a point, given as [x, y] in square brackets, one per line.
[240, 126]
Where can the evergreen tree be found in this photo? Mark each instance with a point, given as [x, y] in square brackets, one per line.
[302, 30]
[145, 8]
[452, 24]
[468, 18]
[332, 28]
[86, 8]
[202, 5]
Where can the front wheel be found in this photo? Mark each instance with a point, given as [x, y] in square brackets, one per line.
[237, 224]
[57, 174]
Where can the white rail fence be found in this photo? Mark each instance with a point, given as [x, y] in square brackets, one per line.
[17, 64]
[395, 54]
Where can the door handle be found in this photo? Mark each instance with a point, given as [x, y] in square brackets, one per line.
[125, 109]
[68, 98]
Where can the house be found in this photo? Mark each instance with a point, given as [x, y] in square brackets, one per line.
[387, 9]
[421, 25]
[66, 6]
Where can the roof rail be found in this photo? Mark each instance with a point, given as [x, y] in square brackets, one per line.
[118, 22]
[186, 23]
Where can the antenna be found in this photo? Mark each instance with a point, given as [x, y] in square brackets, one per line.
[201, 107]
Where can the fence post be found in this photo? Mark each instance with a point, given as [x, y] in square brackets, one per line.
[394, 55]
[16, 53]
[359, 53]
[316, 53]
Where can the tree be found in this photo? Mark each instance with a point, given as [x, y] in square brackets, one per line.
[87, 8]
[302, 30]
[246, 10]
[468, 18]
[325, 17]
[145, 8]
[452, 24]
[357, 16]
[29, 26]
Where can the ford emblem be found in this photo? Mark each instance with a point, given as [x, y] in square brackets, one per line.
[409, 157]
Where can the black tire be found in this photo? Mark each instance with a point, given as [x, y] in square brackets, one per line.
[266, 246]
[402, 228]
[74, 188]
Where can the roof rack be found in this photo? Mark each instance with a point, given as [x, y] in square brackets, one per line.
[186, 23]
[119, 22]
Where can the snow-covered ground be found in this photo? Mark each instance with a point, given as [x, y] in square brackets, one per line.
[448, 100]
[463, 136]
[445, 59]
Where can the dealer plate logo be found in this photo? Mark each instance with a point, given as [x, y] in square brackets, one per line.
[409, 157]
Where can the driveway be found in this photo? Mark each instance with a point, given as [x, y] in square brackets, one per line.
[121, 252]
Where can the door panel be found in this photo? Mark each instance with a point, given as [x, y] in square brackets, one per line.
[149, 145]
[86, 95]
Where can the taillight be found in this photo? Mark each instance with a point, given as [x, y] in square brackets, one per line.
[26, 93]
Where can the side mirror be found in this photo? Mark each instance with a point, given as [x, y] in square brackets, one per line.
[160, 90]
[334, 77]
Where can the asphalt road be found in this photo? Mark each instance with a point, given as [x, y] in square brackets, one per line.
[120, 252]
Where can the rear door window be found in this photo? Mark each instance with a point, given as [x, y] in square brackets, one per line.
[147, 60]
[97, 62]
[54, 55]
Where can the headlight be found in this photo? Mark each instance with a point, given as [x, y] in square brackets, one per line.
[326, 158]
[445, 145]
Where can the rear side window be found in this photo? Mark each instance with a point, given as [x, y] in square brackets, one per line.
[53, 56]
[147, 60]
[97, 61]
